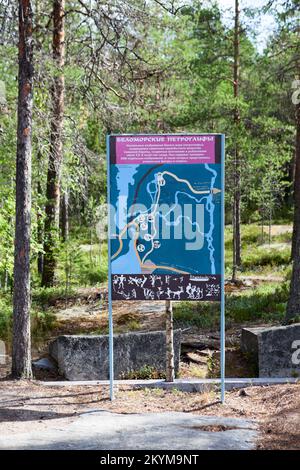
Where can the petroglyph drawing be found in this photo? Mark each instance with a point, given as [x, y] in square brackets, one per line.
[149, 294]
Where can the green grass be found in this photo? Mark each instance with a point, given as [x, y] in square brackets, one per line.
[283, 237]
[257, 256]
[144, 373]
[262, 257]
[266, 303]
[201, 314]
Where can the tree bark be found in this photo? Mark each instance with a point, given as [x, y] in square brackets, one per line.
[295, 229]
[40, 219]
[236, 213]
[65, 216]
[51, 233]
[170, 369]
[21, 350]
[40, 233]
[293, 305]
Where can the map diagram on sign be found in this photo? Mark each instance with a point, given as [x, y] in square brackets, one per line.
[167, 219]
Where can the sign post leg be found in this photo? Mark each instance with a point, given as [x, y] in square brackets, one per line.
[110, 316]
[111, 346]
[222, 322]
[222, 346]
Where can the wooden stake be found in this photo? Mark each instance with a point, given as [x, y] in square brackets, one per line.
[170, 369]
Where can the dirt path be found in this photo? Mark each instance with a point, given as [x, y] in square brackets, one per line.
[257, 278]
[279, 229]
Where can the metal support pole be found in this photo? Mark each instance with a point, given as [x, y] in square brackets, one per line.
[111, 347]
[222, 322]
[110, 316]
[222, 342]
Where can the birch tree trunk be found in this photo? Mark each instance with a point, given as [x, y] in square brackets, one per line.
[51, 232]
[293, 305]
[170, 369]
[236, 212]
[21, 347]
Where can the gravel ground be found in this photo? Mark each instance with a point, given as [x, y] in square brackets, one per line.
[30, 406]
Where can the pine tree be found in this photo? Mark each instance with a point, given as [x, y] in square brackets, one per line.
[21, 354]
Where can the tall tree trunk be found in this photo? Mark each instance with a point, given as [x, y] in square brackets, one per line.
[170, 368]
[40, 232]
[51, 234]
[236, 212]
[295, 229]
[293, 305]
[65, 216]
[40, 219]
[21, 351]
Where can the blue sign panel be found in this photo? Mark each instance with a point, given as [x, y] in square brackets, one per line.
[166, 217]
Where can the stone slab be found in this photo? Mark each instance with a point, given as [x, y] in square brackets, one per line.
[85, 357]
[275, 350]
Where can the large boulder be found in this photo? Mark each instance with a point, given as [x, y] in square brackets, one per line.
[275, 350]
[84, 357]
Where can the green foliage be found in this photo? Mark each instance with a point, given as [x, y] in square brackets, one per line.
[203, 315]
[6, 245]
[264, 257]
[265, 303]
[144, 373]
[42, 323]
[5, 316]
[82, 264]
[43, 297]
